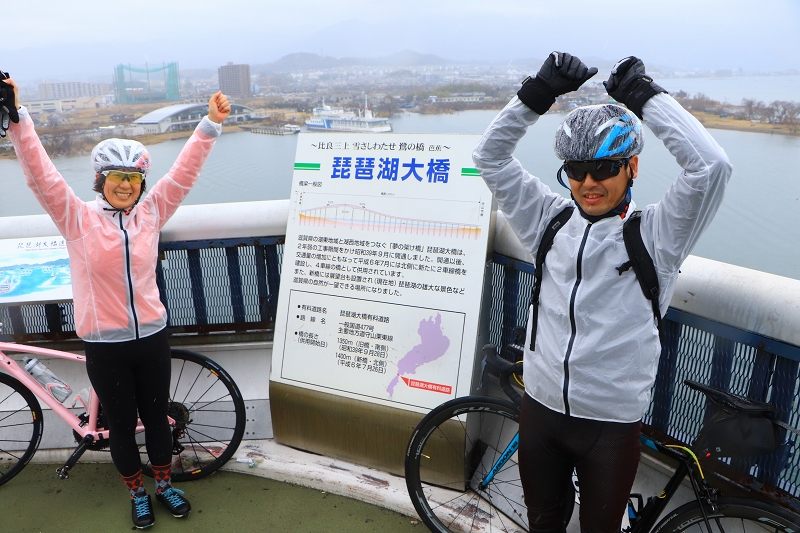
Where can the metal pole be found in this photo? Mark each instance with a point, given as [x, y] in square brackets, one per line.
[147, 71]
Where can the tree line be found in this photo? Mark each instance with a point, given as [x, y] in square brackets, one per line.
[778, 112]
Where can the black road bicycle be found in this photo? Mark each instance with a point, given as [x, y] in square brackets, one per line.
[462, 475]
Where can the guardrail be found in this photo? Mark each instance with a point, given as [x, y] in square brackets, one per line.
[731, 327]
[218, 270]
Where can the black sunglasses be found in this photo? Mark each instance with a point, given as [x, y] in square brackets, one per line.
[600, 169]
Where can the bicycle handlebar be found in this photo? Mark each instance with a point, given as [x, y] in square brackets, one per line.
[504, 369]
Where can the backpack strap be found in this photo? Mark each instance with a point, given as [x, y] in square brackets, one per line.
[550, 231]
[642, 264]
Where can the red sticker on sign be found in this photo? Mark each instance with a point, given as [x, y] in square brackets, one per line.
[425, 385]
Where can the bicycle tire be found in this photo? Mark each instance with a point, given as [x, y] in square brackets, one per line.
[209, 415]
[451, 448]
[21, 424]
[733, 516]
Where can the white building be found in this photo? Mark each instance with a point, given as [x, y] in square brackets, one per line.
[180, 117]
[467, 97]
[72, 90]
[43, 106]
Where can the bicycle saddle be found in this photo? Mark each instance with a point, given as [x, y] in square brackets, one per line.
[732, 402]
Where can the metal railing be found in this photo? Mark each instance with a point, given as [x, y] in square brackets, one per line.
[695, 348]
[225, 285]
[723, 335]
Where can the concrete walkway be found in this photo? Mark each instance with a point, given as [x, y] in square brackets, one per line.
[285, 490]
[94, 499]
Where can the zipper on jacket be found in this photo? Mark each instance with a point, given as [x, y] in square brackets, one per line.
[130, 280]
[578, 274]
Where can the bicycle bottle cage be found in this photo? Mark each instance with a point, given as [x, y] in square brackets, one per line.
[741, 427]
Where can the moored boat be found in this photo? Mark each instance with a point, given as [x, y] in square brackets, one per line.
[329, 118]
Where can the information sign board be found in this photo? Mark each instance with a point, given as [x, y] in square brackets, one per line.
[383, 268]
[34, 270]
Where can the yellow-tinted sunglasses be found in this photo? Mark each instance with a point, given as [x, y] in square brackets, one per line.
[118, 176]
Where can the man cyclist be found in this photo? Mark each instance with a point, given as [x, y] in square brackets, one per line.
[592, 360]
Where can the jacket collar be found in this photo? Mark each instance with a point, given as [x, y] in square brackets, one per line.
[104, 207]
[622, 210]
[613, 219]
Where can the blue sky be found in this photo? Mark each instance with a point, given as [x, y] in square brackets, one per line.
[57, 39]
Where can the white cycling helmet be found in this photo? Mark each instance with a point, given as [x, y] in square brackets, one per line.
[119, 154]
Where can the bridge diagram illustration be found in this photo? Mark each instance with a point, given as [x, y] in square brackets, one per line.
[358, 217]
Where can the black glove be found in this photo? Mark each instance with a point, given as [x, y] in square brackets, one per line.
[630, 85]
[8, 105]
[561, 73]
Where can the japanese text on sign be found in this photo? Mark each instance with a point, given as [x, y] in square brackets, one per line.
[45, 244]
[381, 146]
[376, 267]
[389, 168]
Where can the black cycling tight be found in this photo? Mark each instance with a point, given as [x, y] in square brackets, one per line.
[605, 456]
[128, 377]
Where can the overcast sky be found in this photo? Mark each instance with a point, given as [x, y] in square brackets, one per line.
[59, 39]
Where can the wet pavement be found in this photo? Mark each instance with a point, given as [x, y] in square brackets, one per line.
[94, 499]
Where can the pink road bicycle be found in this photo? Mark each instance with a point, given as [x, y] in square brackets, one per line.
[206, 413]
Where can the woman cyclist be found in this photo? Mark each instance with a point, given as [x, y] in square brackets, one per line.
[113, 249]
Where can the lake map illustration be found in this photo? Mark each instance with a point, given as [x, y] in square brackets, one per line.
[433, 345]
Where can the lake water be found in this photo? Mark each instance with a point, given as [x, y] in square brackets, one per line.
[754, 228]
[732, 89]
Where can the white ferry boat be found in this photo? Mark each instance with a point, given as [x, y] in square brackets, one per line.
[327, 118]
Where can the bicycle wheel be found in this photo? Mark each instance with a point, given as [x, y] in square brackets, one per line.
[450, 453]
[21, 426]
[733, 516]
[209, 415]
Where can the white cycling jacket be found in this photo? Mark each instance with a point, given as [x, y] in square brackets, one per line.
[597, 344]
[112, 255]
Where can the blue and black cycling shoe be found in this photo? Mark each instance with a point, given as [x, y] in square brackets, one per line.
[173, 500]
[142, 511]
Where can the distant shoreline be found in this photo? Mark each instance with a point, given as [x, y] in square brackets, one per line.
[712, 121]
[147, 140]
[709, 120]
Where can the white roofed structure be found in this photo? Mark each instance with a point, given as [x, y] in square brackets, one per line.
[180, 117]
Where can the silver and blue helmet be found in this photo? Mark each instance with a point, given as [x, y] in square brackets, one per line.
[599, 132]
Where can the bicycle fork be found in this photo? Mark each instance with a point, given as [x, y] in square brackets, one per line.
[504, 457]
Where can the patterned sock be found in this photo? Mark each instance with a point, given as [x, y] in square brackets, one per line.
[135, 484]
[162, 475]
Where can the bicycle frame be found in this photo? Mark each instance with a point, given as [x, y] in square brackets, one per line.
[642, 517]
[13, 368]
[647, 516]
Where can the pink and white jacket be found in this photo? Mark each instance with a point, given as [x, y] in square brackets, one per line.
[112, 255]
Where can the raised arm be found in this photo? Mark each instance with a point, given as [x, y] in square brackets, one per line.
[50, 189]
[526, 201]
[166, 196]
[673, 226]
[692, 201]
